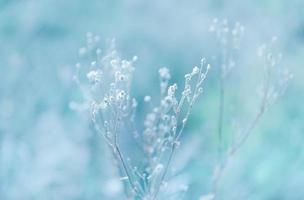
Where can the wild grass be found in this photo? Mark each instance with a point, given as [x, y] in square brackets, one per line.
[105, 80]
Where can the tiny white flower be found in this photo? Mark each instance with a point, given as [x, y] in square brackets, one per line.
[195, 70]
[147, 98]
[114, 63]
[159, 167]
[112, 99]
[134, 58]
[188, 77]
[94, 76]
[121, 95]
[200, 90]
[164, 73]
[172, 89]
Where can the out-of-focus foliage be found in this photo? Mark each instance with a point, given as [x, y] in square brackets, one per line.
[48, 151]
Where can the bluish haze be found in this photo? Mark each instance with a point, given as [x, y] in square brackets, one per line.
[50, 151]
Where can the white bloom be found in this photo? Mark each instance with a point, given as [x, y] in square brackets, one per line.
[114, 63]
[147, 98]
[98, 106]
[119, 76]
[200, 90]
[134, 58]
[150, 118]
[188, 77]
[121, 95]
[187, 92]
[171, 90]
[94, 76]
[195, 70]
[159, 167]
[164, 73]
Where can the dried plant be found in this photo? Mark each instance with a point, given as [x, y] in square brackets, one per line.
[105, 80]
[274, 84]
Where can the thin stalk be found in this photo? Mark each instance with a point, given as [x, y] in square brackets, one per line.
[221, 109]
[119, 154]
[174, 145]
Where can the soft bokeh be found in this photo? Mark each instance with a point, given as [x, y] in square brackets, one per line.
[48, 151]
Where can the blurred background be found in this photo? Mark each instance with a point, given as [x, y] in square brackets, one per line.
[48, 151]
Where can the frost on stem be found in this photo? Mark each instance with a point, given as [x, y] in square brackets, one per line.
[276, 77]
[274, 84]
[105, 81]
[228, 37]
[166, 122]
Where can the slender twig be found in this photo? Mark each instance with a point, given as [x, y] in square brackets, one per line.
[176, 136]
[221, 115]
[117, 149]
[126, 169]
[221, 110]
[244, 136]
[234, 149]
[165, 171]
